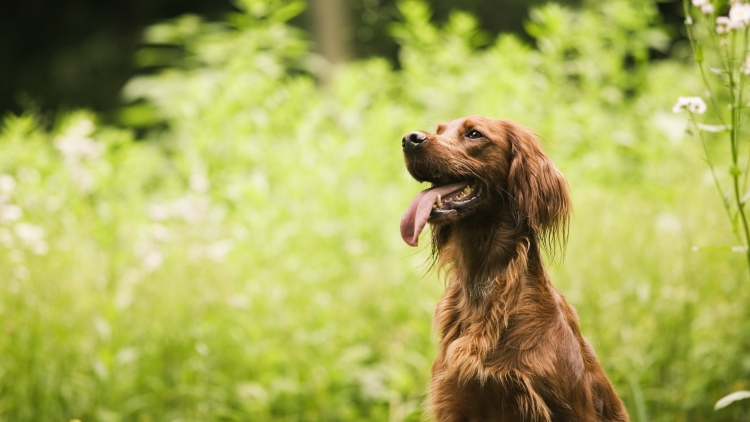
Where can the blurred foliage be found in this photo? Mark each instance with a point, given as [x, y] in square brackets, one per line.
[79, 53]
[372, 20]
[245, 263]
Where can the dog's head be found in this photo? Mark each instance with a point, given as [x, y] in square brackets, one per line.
[484, 168]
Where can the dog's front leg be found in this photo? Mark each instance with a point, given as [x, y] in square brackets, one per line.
[464, 360]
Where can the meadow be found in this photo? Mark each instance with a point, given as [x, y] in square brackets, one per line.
[241, 260]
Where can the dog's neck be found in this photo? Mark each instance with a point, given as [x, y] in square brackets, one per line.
[479, 251]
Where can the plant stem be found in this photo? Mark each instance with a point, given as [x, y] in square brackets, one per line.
[696, 46]
[713, 172]
[728, 60]
[734, 138]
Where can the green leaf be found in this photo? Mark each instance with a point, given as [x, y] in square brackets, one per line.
[714, 128]
[731, 398]
[288, 11]
[737, 249]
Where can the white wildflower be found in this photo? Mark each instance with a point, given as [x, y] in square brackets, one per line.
[159, 212]
[81, 177]
[152, 260]
[218, 251]
[681, 104]
[21, 273]
[192, 209]
[160, 233]
[127, 355]
[739, 14]
[76, 145]
[668, 223]
[697, 106]
[201, 348]
[76, 142]
[74, 148]
[7, 183]
[189, 208]
[707, 9]
[53, 203]
[692, 104]
[199, 183]
[29, 233]
[33, 237]
[82, 127]
[103, 327]
[10, 212]
[39, 248]
[699, 3]
[239, 301]
[723, 25]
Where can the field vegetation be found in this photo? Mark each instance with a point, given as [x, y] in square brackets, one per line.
[241, 258]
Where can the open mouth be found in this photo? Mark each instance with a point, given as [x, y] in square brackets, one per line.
[437, 202]
[452, 198]
[464, 196]
[448, 192]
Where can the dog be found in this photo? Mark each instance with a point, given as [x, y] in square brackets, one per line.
[511, 348]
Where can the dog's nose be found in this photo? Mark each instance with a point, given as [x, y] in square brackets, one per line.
[412, 140]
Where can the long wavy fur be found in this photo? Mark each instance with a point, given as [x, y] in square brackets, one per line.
[510, 348]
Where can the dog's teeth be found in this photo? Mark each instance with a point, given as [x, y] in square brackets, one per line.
[465, 192]
[438, 201]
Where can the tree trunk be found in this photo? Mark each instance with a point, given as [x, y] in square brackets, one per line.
[330, 24]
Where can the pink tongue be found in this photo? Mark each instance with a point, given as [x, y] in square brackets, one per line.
[415, 217]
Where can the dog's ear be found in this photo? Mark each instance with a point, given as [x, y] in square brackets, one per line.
[538, 190]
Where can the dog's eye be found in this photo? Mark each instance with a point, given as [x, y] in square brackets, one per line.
[474, 134]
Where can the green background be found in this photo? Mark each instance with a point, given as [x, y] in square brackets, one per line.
[229, 250]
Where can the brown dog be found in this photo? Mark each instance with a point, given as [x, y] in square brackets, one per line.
[511, 347]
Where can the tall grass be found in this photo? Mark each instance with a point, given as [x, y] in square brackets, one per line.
[245, 264]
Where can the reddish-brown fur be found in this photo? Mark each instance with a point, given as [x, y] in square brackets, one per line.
[511, 348]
